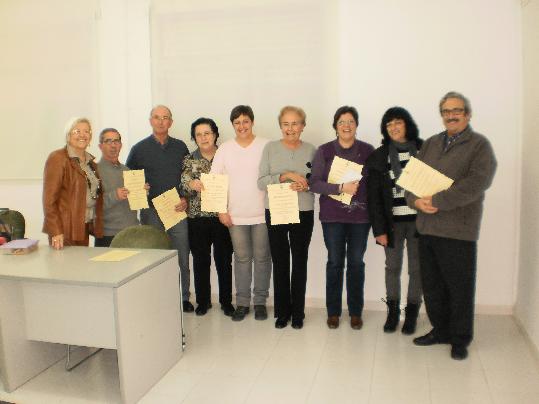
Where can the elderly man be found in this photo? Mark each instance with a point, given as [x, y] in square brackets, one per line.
[117, 214]
[448, 223]
[161, 157]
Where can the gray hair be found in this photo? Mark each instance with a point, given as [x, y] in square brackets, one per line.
[106, 130]
[161, 106]
[454, 94]
[297, 110]
[71, 123]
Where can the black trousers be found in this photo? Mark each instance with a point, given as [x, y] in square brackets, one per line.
[448, 272]
[289, 292]
[203, 233]
[103, 241]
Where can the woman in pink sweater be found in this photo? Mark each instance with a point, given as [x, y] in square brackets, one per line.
[239, 158]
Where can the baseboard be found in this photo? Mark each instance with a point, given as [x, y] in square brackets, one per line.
[534, 348]
[378, 305]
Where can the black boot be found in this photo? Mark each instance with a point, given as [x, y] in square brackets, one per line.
[393, 315]
[410, 319]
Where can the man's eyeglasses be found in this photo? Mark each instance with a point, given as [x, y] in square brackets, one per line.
[112, 141]
[161, 118]
[454, 111]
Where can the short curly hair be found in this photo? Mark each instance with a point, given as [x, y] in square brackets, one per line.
[412, 132]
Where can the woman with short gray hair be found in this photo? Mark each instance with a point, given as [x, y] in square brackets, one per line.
[72, 197]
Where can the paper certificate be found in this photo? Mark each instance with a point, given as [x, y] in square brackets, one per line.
[114, 256]
[283, 204]
[214, 196]
[164, 205]
[343, 171]
[422, 180]
[134, 181]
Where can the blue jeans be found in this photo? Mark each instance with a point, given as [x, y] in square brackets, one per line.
[179, 238]
[345, 240]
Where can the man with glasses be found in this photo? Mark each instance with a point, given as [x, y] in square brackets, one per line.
[448, 223]
[117, 215]
[161, 157]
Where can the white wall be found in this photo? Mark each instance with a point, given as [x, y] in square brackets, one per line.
[387, 55]
[527, 306]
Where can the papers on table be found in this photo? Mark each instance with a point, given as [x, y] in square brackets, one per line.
[164, 205]
[214, 196]
[422, 180]
[19, 246]
[283, 204]
[114, 256]
[134, 181]
[343, 171]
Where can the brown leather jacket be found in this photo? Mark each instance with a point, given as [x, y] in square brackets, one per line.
[64, 198]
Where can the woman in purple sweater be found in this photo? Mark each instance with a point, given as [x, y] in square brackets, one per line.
[345, 227]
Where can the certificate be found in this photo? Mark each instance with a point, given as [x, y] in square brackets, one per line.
[214, 196]
[134, 181]
[164, 205]
[283, 204]
[343, 171]
[114, 256]
[422, 180]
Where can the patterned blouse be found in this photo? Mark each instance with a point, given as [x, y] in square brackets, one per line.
[194, 165]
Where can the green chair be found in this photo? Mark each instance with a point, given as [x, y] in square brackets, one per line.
[141, 237]
[16, 220]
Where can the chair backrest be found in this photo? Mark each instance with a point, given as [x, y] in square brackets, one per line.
[143, 236]
[16, 220]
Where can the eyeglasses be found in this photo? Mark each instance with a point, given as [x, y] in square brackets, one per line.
[454, 111]
[349, 122]
[293, 125]
[200, 134]
[161, 118]
[78, 132]
[112, 141]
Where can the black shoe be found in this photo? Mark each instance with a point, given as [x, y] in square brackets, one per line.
[240, 313]
[281, 322]
[260, 312]
[188, 307]
[201, 309]
[459, 352]
[393, 315]
[410, 319]
[297, 323]
[228, 309]
[430, 339]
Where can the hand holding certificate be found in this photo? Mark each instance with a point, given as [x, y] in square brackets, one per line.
[422, 180]
[214, 196]
[343, 171]
[134, 181]
[165, 205]
[283, 204]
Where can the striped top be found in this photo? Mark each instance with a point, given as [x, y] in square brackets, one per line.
[401, 211]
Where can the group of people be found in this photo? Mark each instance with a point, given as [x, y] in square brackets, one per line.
[439, 231]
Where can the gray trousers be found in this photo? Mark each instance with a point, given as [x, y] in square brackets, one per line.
[251, 244]
[179, 238]
[404, 231]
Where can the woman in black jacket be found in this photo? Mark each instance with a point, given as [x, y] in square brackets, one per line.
[393, 222]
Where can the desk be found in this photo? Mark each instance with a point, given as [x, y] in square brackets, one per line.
[49, 297]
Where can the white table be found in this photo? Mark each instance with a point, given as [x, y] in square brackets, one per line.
[48, 298]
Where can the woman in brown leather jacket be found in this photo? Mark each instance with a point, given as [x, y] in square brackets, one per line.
[72, 197]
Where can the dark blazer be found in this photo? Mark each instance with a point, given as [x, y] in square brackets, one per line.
[64, 198]
[380, 193]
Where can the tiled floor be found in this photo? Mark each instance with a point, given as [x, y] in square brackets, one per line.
[252, 362]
